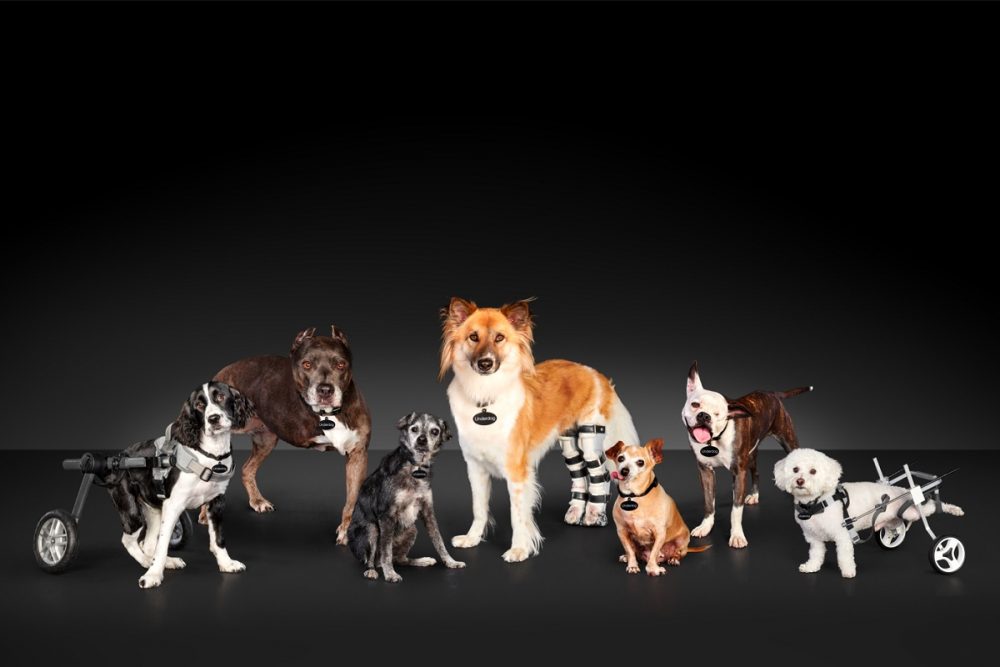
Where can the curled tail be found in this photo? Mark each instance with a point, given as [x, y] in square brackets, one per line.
[954, 510]
[794, 392]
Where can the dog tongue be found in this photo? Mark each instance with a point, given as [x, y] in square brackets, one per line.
[701, 434]
[615, 475]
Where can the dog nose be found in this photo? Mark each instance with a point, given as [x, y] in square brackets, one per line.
[485, 364]
[800, 481]
[214, 419]
[623, 472]
[422, 440]
[325, 389]
[703, 418]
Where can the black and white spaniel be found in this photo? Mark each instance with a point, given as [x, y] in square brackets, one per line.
[150, 500]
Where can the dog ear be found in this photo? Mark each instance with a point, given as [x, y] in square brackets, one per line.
[615, 449]
[405, 421]
[303, 337]
[519, 314]
[833, 471]
[445, 431]
[694, 380]
[338, 334]
[187, 428]
[243, 408]
[655, 448]
[781, 477]
[457, 312]
[737, 411]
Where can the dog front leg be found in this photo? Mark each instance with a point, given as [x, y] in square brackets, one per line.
[430, 521]
[737, 539]
[817, 551]
[217, 541]
[169, 514]
[708, 487]
[356, 469]
[479, 480]
[591, 439]
[845, 556]
[629, 558]
[653, 567]
[386, 534]
[526, 540]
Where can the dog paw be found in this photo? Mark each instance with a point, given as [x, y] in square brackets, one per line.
[393, 578]
[232, 566]
[752, 499]
[595, 516]
[261, 505]
[623, 558]
[738, 541]
[632, 568]
[203, 515]
[465, 541]
[426, 561]
[454, 564]
[371, 574]
[808, 567]
[849, 572]
[655, 570]
[150, 579]
[175, 563]
[573, 515]
[342, 536]
[674, 561]
[703, 529]
[515, 555]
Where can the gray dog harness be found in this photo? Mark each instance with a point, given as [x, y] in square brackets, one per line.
[172, 454]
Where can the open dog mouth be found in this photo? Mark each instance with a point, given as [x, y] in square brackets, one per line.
[701, 434]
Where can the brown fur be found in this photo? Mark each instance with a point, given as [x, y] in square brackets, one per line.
[655, 531]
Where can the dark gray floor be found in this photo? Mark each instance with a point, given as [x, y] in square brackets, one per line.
[303, 596]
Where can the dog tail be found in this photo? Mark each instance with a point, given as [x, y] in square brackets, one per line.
[698, 550]
[794, 392]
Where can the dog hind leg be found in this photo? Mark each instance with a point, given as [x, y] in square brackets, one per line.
[132, 522]
[737, 538]
[591, 438]
[401, 549]
[753, 497]
[578, 478]
[263, 444]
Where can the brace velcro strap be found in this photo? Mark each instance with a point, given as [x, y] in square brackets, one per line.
[597, 479]
[598, 499]
[579, 495]
[591, 428]
[594, 464]
[577, 473]
[574, 460]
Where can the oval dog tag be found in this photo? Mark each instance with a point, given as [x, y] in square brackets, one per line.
[218, 469]
[709, 450]
[484, 418]
[327, 424]
[419, 473]
[629, 505]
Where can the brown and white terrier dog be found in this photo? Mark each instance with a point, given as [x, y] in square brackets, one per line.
[649, 525]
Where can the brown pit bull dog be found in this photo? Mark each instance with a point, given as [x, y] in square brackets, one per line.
[649, 526]
[307, 399]
[725, 433]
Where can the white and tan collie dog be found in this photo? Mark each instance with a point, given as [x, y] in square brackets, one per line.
[510, 411]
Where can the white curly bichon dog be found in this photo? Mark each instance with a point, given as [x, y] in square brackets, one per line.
[812, 478]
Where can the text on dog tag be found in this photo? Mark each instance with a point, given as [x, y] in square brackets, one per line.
[419, 473]
[326, 424]
[629, 505]
[218, 469]
[484, 418]
[709, 450]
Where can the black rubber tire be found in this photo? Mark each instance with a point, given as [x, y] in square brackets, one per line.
[67, 543]
[182, 531]
[956, 555]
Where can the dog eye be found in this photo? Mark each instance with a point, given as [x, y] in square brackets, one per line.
[499, 338]
[474, 337]
[341, 365]
[434, 431]
[640, 463]
[307, 365]
[621, 459]
[696, 405]
[219, 398]
[200, 406]
[813, 471]
[414, 429]
[795, 469]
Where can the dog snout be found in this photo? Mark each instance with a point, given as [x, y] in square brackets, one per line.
[800, 481]
[703, 418]
[485, 364]
[422, 440]
[325, 390]
[623, 471]
[214, 419]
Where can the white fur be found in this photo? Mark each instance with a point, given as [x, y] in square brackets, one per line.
[820, 475]
[341, 438]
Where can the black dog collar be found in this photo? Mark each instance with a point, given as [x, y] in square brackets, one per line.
[806, 511]
[630, 504]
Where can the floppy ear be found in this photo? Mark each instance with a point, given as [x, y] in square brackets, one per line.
[243, 409]
[519, 314]
[187, 428]
[781, 476]
[338, 334]
[457, 312]
[832, 471]
[694, 380]
[303, 337]
[615, 450]
[655, 448]
[406, 420]
[445, 431]
[738, 411]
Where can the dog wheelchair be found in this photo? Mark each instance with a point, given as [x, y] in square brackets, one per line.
[57, 543]
[947, 553]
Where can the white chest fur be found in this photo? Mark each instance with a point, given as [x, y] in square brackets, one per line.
[487, 444]
[194, 490]
[723, 459]
[339, 437]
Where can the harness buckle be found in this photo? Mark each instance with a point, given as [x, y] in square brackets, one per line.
[205, 474]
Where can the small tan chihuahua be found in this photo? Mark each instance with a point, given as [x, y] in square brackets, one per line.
[647, 518]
